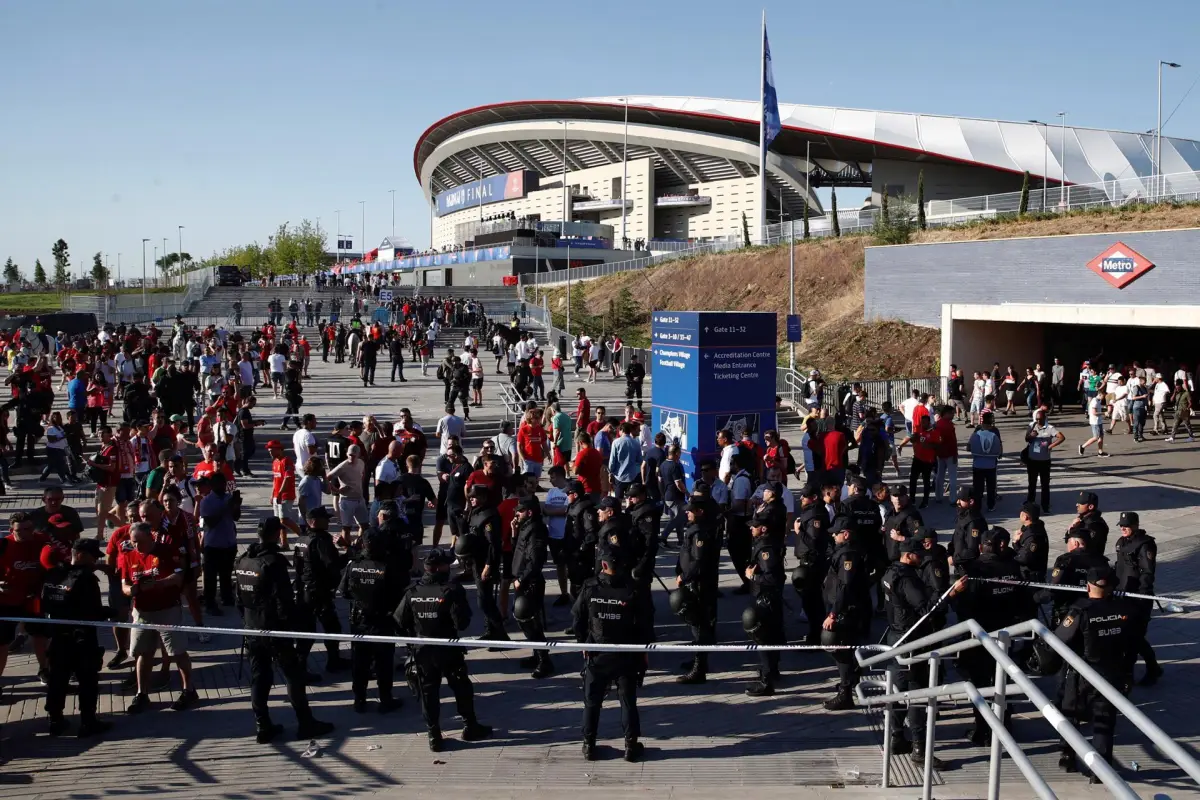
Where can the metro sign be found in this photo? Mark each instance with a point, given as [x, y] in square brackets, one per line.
[1120, 265]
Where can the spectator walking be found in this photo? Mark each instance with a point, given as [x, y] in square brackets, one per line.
[947, 454]
[1041, 438]
[924, 441]
[986, 448]
[1183, 411]
[1095, 414]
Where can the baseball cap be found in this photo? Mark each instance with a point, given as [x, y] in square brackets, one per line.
[694, 506]
[341, 424]
[1033, 510]
[912, 545]
[925, 532]
[964, 493]
[478, 490]
[636, 490]
[760, 519]
[575, 487]
[528, 504]
[1088, 499]
[58, 521]
[88, 546]
[838, 525]
[1129, 519]
[1079, 532]
[177, 418]
[437, 557]
[997, 536]
[274, 443]
[1103, 576]
[610, 503]
[320, 512]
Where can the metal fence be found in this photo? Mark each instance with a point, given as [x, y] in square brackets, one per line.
[554, 277]
[791, 385]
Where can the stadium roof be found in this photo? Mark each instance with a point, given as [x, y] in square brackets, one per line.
[843, 142]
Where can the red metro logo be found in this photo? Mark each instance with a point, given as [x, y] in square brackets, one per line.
[1120, 265]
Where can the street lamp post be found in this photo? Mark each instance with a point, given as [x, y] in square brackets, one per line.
[163, 268]
[392, 192]
[566, 190]
[1045, 158]
[624, 171]
[338, 258]
[1159, 183]
[363, 244]
[1062, 159]
[155, 261]
[179, 262]
[118, 267]
[144, 271]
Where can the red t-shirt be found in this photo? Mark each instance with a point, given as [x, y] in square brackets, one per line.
[151, 568]
[492, 483]
[925, 445]
[583, 411]
[208, 468]
[588, 463]
[183, 535]
[947, 447]
[919, 413]
[594, 427]
[507, 510]
[834, 442]
[119, 542]
[21, 572]
[535, 366]
[283, 485]
[531, 442]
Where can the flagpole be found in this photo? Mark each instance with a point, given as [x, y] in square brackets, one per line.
[762, 130]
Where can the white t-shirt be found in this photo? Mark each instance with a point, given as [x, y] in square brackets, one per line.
[727, 456]
[61, 444]
[908, 407]
[476, 366]
[594, 352]
[556, 498]
[448, 426]
[977, 391]
[1161, 392]
[1095, 410]
[246, 371]
[303, 443]
[278, 362]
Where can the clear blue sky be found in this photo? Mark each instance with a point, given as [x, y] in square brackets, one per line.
[122, 119]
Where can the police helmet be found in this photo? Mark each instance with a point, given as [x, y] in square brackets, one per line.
[751, 619]
[800, 576]
[462, 547]
[525, 609]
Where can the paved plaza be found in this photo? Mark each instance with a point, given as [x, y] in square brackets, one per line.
[702, 741]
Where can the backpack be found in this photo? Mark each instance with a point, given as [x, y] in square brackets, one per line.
[97, 469]
[791, 462]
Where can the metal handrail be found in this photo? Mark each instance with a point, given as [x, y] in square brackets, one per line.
[995, 644]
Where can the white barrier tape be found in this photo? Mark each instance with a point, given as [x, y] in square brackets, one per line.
[928, 614]
[522, 644]
[1083, 589]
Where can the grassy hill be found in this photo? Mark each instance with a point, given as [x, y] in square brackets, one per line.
[829, 290]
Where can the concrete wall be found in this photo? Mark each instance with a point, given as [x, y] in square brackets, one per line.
[942, 181]
[730, 198]
[977, 344]
[911, 282]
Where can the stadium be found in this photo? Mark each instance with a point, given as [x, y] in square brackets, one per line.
[685, 168]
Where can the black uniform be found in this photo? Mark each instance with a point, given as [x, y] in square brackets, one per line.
[437, 608]
[969, 526]
[934, 570]
[73, 592]
[992, 605]
[611, 609]
[1033, 551]
[318, 566]
[906, 521]
[374, 585]
[583, 532]
[1097, 529]
[413, 493]
[528, 562]
[698, 567]
[1070, 569]
[368, 355]
[1136, 561]
[1103, 631]
[766, 556]
[907, 598]
[485, 544]
[812, 550]
[847, 595]
[264, 596]
[862, 515]
[635, 374]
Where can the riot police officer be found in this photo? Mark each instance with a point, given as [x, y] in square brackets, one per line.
[481, 545]
[1136, 562]
[71, 591]
[644, 518]
[265, 599]
[992, 605]
[695, 598]
[1100, 628]
[934, 568]
[583, 532]
[902, 523]
[530, 542]
[847, 595]
[862, 515]
[318, 566]
[612, 608]
[613, 522]
[812, 549]
[436, 608]
[763, 618]
[1087, 508]
[1071, 569]
[374, 585]
[1032, 544]
[969, 528]
[908, 599]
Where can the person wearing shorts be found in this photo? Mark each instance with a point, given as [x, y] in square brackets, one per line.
[153, 578]
[1095, 412]
[353, 513]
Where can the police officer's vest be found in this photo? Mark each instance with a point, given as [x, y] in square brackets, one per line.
[431, 609]
[367, 586]
[611, 615]
[900, 615]
[250, 576]
[60, 598]
[1106, 625]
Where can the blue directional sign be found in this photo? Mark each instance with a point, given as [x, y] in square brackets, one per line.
[711, 370]
[794, 332]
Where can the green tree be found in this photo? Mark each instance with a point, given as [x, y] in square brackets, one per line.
[12, 273]
[581, 319]
[169, 264]
[806, 218]
[62, 262]
[837, 227]
[626, 311]
[39, 272]
[99, 272]
[1024, 207]
[745, 230]
[921, 199]
[883, 205]
[898, 225]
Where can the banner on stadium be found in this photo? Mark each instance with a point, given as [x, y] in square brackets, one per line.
[509, 186]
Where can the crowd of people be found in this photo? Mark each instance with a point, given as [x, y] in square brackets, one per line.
[582, 497]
